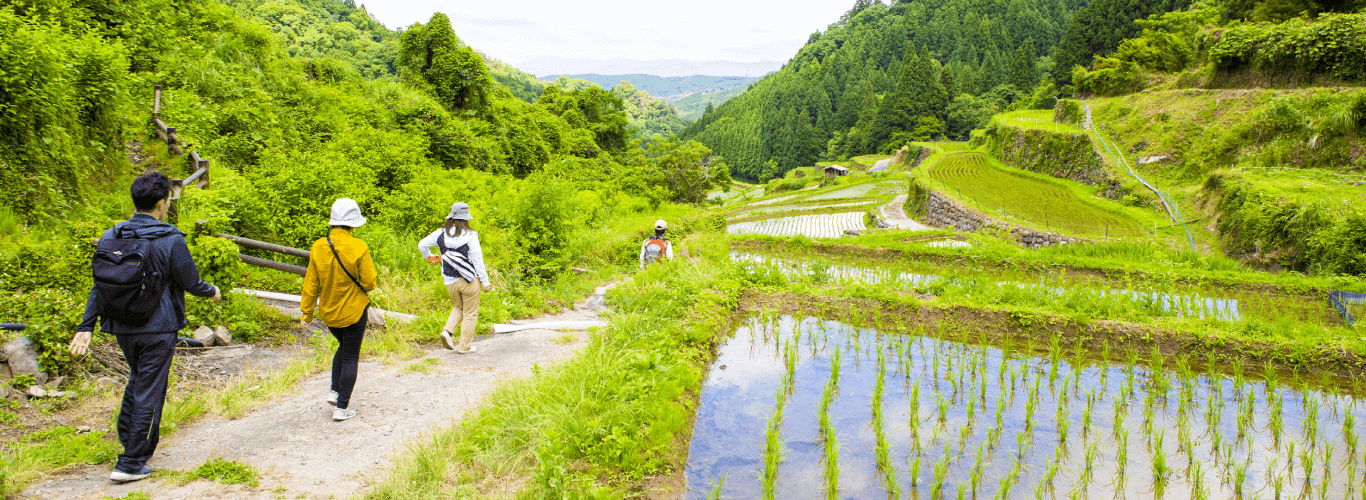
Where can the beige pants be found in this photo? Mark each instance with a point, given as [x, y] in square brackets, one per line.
[463, 316]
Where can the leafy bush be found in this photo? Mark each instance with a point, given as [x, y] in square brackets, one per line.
[1108, 77]
[781, 185]
[1306, 234]
[1069, 111]
[1332, 46]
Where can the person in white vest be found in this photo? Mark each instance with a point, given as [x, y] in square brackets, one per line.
[656, 246]
[462, 269]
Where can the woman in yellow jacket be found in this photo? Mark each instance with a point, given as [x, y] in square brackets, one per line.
[340, 273]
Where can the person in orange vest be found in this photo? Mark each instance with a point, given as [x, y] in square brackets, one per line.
[656, 247]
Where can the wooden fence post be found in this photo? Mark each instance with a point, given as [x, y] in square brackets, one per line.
[156, 101]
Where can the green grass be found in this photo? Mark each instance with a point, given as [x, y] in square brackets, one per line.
[1310, 185]
[423, 366]
[578, 427]
[26, 459]
[1031, 199]
[217, 470]
[1037, 120]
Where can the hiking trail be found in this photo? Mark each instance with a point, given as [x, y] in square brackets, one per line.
[301, 453]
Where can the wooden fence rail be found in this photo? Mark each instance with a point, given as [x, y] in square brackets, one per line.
[202, 228]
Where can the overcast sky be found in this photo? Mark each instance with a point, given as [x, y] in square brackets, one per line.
[548, 37]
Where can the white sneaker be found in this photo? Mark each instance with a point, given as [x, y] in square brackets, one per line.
[332, 399]
[123, 477]
[340, 414]
[467, 351]
[446, 340]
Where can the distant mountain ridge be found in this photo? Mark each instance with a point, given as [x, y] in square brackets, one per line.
[670, 88]
[659, 67]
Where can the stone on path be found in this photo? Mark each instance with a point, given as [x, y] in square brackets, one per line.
[204, 335]
[23, 359]
[222, 336]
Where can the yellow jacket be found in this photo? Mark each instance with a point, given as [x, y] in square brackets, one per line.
[342, 303]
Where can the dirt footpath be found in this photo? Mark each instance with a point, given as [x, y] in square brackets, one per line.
[302, 453]
[895, 215]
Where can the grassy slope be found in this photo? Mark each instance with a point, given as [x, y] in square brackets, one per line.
[1032, 199]
[1205, 130]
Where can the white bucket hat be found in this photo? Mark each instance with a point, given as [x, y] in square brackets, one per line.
[460, 211]
[660, 224]
[345, 212]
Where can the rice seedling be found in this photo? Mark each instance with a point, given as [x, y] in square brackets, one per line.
[1349, 433]
[1050, 472]
[835, 369]
[1064, 421]
[1327, 463]
[1238, 478]
[915, 470]
[1118, 425]
[1274, 418]
[941, 473]
[1159, 466]
[1021, 444]
[773, 452]
[943, 406]
[1307, 459]
[1270, 374]
[715, 492]
[1311, 419]
[976, 472]
[881, 450]
[1199, 490]
[1086, 417]
[1006, 482]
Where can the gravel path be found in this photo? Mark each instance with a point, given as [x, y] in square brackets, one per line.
[302, 453]
[894, 213]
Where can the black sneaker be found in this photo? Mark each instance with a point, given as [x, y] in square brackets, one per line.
[124, 477]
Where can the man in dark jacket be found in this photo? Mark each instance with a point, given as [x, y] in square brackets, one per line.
[148, 348]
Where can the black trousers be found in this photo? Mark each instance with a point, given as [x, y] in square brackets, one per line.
[149, 364]
[347, 357]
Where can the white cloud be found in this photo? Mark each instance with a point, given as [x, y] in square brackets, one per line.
[702, 30]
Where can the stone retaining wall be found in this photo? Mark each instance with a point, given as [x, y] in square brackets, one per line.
[941, 211]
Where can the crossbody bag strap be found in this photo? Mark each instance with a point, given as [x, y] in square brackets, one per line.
[343, 266]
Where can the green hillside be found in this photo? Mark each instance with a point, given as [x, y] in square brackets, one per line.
[667, 87]
[883, 76]
[692, 106]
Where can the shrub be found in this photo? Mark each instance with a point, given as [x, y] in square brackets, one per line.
[1069, 111]
[1108, 77]
[1332, 46]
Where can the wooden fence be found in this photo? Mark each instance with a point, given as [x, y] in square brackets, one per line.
[200, 165]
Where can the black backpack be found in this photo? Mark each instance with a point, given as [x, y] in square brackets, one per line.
[128, 280]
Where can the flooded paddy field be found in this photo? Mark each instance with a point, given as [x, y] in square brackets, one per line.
[813, 408]
[1129, 299]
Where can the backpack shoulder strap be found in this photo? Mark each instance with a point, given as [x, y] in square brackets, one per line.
[343, 266]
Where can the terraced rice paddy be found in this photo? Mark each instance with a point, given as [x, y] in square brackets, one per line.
[768, 209]
[1037, 119]
[813, 408]
[1044, 204]
[861, 190]
[1133, 300]
[811, 226]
